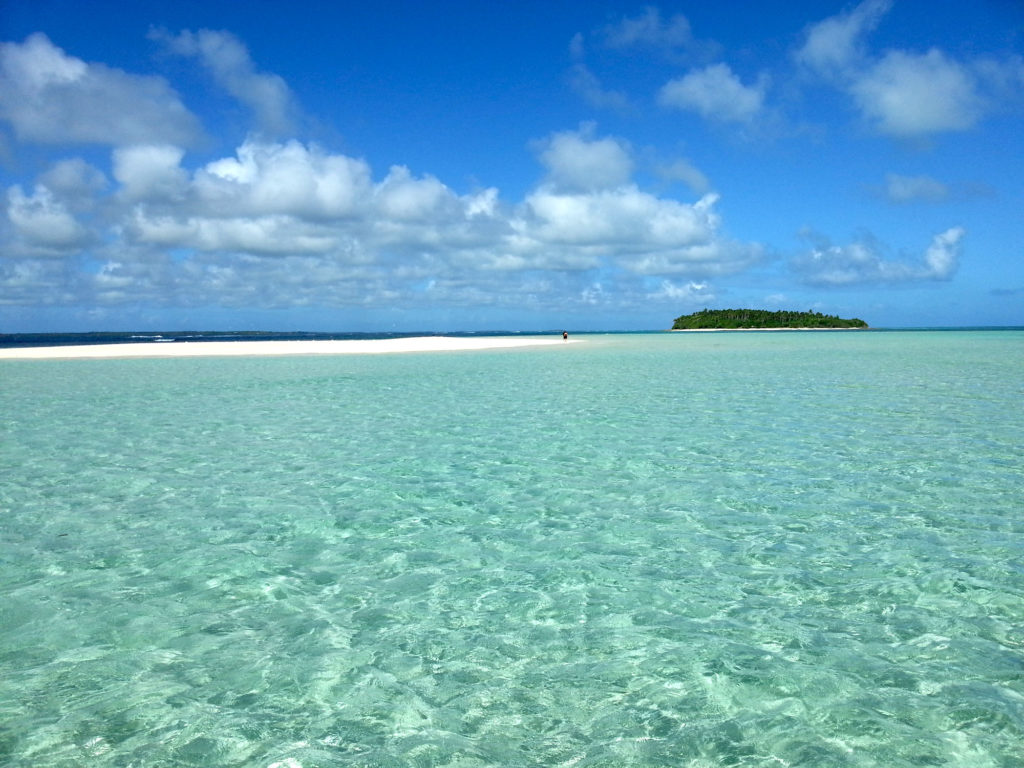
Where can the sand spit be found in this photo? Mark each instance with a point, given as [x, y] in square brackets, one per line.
[276, 348]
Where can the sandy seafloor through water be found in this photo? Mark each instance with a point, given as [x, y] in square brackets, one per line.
[744, 549]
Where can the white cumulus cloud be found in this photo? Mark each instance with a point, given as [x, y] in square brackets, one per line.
[642, 233]
[715, 92]
[228, 61]
[905, 189]
[683, 170]
[907, 94]
[42, 225]
[289, 178]
[74, 182]
[864, 261]
[150, 172]
[943, 254]
[835, 44]
[402, 197]
[45, 282]
[649, 29]
[50, 97]
[577, 161]
[687, 293]
[291, 224]
[584, 82]
[903, 93]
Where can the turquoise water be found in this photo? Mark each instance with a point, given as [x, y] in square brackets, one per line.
[753, 549]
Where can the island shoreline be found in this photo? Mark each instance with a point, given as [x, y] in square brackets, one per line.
[716, 330]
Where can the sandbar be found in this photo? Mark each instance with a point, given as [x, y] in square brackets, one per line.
[276, 348]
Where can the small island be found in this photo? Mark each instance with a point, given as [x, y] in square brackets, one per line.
[760, 319]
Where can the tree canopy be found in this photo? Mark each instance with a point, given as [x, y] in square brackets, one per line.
[761, 318]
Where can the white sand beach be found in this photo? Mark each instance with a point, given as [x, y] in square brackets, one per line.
[274, 348]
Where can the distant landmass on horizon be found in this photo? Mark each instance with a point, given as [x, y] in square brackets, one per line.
[740, 319]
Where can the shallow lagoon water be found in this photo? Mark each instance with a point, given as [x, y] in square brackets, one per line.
[731, 549]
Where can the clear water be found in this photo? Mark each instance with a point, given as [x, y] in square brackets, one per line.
[781, 549]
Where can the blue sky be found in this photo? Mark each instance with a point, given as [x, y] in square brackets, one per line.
[526, 166]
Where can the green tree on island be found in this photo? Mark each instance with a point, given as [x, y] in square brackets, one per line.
[761, 318]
